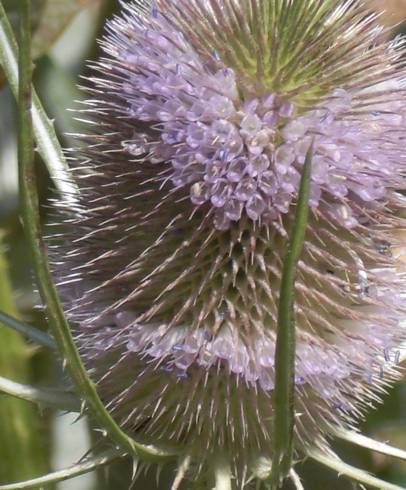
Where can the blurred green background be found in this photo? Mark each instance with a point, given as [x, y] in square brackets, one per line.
[34, 441]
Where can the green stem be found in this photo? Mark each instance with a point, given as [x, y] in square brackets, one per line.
[47, 141]
[283, 420]
[20, 451]
[49, 295]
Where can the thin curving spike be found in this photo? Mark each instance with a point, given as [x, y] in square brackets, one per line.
[182, 470]
[356, 474]
[79, 469]
[369, 443]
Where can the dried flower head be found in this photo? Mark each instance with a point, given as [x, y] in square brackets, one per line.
[201, 115]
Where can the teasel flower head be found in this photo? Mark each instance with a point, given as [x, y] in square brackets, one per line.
[201, 115]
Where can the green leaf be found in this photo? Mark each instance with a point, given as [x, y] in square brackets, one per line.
[283, 399]
[32, 333]
[79, 469]
[62, 400]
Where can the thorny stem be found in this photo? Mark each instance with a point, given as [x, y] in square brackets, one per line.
[49, 295]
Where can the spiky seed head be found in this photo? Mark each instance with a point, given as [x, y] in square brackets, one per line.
[201, 115]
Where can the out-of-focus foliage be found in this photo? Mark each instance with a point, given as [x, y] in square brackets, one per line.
[50, 18]
[55, 16]
[21, 428]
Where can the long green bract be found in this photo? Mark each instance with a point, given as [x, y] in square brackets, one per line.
[283, 420]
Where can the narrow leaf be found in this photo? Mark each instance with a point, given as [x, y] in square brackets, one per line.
[283, 400]
[79, 469]
[47, 141]
[361, 476]
[62, 400]
[32, 333]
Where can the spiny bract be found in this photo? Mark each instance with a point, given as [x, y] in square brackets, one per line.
[200, 116]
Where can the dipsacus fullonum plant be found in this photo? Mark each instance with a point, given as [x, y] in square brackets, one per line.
[201, 115]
